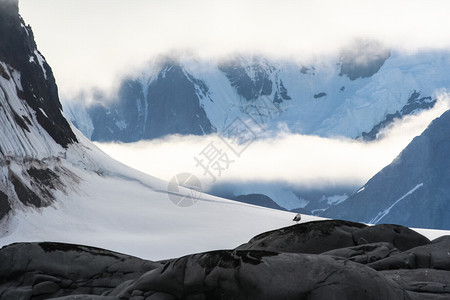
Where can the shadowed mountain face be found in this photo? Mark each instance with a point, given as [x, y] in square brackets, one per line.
[168, 105]
[315, 260]
[413, 190]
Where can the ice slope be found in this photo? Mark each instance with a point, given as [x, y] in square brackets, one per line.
[119, 208]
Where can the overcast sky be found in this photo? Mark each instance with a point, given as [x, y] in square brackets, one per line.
[89, 42]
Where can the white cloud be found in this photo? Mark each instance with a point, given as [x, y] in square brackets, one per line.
[89, 42]
[289, 158]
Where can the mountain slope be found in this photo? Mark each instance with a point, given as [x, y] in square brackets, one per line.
[413, 190]
[34, 134]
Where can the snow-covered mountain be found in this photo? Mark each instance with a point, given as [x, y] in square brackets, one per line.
[355, 94]
[34, 134]
[56, 185]
[414, 190]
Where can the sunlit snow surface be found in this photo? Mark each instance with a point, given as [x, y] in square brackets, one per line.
[130, 212]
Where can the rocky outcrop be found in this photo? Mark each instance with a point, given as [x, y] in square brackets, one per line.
[34, 135]
[322, 236]
[38, 270]
[389, 262]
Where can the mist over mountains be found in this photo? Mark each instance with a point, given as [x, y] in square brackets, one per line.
[356, 94]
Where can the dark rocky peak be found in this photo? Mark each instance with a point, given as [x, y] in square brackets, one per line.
[37, 85]
[167, 103]
[413, 190]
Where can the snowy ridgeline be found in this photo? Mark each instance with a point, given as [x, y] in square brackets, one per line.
[326, 98]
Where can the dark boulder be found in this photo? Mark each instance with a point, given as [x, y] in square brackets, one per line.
[321, 236]
[311, 237]
[47, 270]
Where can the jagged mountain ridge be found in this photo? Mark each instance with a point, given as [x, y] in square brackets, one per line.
[36, 85]
[413, 190]
[330, 98]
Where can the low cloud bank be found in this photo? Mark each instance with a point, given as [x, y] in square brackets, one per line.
[292, 159]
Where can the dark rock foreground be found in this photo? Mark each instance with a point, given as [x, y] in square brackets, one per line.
[315, 260]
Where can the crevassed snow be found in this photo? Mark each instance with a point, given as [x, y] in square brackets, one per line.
[383, 213]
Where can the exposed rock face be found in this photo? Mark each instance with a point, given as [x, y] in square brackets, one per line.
[37, 85]
[370, 270]
[413, 190]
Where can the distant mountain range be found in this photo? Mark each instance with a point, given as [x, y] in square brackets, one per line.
[355, 94]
